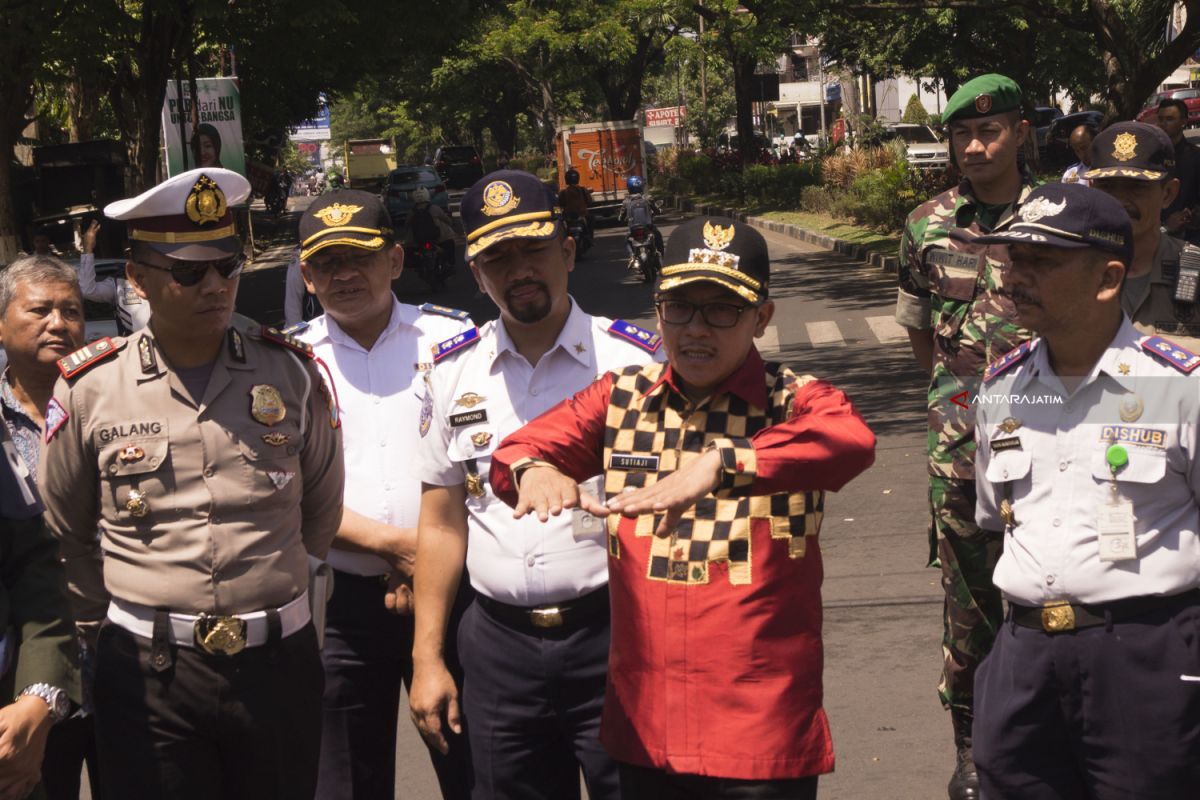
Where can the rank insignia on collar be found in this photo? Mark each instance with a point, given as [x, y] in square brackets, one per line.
[86, 356]
[650, 342]
[454, 344]
[1014, 356]
[146, 355]
[237, 348]
[266, 404]
[288, 341]
[205, 202]
[579, 348]
[56, 417]
[1123, 368]
[470, 400]
[1182, 360]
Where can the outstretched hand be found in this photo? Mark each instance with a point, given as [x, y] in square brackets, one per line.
[673, 495]
[546, 492]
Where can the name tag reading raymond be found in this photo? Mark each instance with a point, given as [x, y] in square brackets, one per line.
[630, 462]
[468, 418]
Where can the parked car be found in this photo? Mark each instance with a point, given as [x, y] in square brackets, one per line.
[925, 149]
[459, 165]
[1191, 97]
[1043, 118]
[397, 192]
[1057, 154]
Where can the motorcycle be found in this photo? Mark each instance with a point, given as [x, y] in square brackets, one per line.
[645, 257]
[277, 195]
[430, 264]
[578, 230]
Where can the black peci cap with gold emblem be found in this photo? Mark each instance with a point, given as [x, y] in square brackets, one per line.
[1131, 150]
[717, 250]
[187, 217]
[508, 204]
[347, 216]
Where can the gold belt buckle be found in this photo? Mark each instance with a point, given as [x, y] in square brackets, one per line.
[1058, 617]
[546, 617]
[220, 636]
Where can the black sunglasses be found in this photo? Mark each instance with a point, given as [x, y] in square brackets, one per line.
[190, 273]
[715, 315]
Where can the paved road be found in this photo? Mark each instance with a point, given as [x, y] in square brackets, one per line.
[882, 620]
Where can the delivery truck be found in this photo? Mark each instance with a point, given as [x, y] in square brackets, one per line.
[605, 154]
[368, 162]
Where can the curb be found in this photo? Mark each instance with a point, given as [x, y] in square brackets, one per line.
[861, 252]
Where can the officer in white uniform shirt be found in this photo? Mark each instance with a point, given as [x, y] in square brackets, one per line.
[1090, 460]
[132, 311]
[379, 352]
[534, 643]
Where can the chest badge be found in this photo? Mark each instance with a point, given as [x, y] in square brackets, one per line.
[481, 439]
[1010, 424]
[1131, 408]
[276, 439]
[136, 504]
[131, 454]
[266, 404]
[470, 400]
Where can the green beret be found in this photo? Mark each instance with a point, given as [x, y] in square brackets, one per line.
[982, 97]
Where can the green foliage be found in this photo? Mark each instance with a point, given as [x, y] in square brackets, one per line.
[914, 112]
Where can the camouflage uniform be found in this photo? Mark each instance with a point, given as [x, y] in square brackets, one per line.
[954, 288]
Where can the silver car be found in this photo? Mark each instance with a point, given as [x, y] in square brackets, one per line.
[925, 149]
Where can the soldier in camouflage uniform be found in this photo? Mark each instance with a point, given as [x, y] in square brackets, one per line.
[952, 299]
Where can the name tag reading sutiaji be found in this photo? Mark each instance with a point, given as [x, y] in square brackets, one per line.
[631, 462]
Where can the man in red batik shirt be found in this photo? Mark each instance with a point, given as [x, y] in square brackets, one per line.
[715, 467]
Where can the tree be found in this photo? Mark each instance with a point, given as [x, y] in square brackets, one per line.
[914, 112]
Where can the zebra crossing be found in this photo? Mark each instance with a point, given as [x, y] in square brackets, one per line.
[822, 334]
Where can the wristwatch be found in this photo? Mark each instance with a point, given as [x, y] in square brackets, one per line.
[60, 704]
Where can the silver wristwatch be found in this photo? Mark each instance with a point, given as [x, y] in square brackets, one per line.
[60, 704]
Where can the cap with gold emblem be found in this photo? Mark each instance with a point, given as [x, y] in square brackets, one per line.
[982, 97]
[1131, 150]
[186, 217]
[349, 217]
[718, 250]
[508, 204]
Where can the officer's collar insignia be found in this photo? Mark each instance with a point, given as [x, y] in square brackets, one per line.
[337, 214]
[146, 355]
[498, 199]
[205, 202]
[1040, 208]
[1010, 424]
[716, 237]
[1182, 360]
[1006, 361]
[1123, 368]
[983, 103]
[1124, 147]
[237, 349]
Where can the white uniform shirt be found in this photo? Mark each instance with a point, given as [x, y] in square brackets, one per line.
[1060, 477]
[480, 395]
[132, 311]
[380, 393]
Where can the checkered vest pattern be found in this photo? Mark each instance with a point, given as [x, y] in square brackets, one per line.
[663, 427]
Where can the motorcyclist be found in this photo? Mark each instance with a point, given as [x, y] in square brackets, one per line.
[430, 223]
[638, 209]
[575, 200]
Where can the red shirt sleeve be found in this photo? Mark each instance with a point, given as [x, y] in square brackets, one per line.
[823, 445]
[570, 436]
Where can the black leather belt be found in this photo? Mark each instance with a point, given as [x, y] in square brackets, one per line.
[1059, 617]
[565, 615]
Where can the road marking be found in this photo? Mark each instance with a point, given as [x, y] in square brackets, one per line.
[887, 330]
[824, 334]
[769, 343]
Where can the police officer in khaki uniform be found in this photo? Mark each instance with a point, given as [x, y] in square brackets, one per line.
[208, 451]
[1135, 163]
